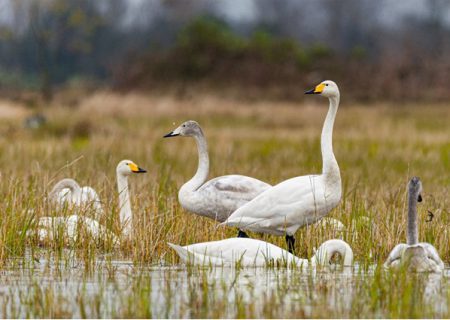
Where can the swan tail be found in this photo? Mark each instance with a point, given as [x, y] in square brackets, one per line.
[182, 252]
[329, 248]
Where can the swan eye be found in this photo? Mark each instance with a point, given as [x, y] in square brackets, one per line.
[326, 84]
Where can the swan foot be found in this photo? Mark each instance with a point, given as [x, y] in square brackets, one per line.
[290, 241]
[242, 234]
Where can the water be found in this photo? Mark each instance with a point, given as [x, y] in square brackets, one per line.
[119, 289]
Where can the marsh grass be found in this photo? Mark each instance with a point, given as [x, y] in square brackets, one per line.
[378, 149]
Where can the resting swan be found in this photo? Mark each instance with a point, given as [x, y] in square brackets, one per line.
[414, 256]
[256, 253]
[299, 201]
[68, 191]
[69, 225]
[219, 197]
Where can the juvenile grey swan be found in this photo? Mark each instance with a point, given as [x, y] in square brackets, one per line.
[299, 201]
[69, 225]
[414, 256]
[218, 197]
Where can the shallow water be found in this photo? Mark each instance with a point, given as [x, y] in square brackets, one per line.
[119, 289]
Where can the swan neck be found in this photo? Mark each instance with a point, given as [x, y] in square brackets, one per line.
[330, 165]
[331, 247]
[70, 184]
[124, 204]
[413, 234]
[203, 165]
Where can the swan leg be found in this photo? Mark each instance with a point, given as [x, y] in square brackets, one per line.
[242, 234]
[290, 241]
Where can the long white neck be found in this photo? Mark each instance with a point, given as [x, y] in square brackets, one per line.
[329, 165]
[71, 184]
[126, 217]
[203, 166]
[413, 234]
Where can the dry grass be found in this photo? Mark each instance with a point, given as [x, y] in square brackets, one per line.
[378, 149]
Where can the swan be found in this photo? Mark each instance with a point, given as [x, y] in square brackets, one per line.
[71, 224]
[68, 191]
[249, 252]
[414, 256]
[219, 197]
[299, 201]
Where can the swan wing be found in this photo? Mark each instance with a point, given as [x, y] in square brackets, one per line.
[243, 251]
[236, 186]
[284, 207]
[221, 196]
[395, 256]
[433, 255]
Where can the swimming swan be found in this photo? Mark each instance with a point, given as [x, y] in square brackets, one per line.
[219, 197]
[414, 256]
[69, 225]
[299, 201]
[68, 191]
[256, 253]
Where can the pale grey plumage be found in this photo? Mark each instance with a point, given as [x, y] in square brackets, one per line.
[414, 256]
[218, 197]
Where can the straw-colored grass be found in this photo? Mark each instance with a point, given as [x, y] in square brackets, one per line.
[378, 147]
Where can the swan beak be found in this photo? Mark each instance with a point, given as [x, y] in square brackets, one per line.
[140, 170]
[135, 169]
[419, 198]
[317, 90]
[171, 134]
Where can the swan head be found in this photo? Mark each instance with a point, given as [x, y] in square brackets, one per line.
[189, 128]
[326, 88]
[127, 167]
[415, 188]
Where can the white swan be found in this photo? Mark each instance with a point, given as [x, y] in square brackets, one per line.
[219, 197]
[68, 191]
[414, 256]
[69, 226]
[299, 201]
[256, 253]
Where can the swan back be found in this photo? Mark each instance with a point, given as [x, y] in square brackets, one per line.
[330, 248]
[235, 251]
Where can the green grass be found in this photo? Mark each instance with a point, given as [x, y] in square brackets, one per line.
[378, 150]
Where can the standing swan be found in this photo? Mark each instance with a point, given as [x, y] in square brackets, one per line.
[415, 256]
[219, 197]
[299, 201]
[68, 191]
[256, 253]
[69, 225]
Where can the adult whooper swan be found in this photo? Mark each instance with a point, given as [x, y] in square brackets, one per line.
[414, 256]
[256, 253]
[299, 201]
[71, 224]
[68, 191]
[218, 197]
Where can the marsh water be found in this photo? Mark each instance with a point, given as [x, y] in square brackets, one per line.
[111, 288]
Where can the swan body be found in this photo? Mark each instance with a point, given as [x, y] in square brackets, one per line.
[219, 197]
[414, 256]
[47, 226]
[299, 201]
[68, 191]
[256, 253]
